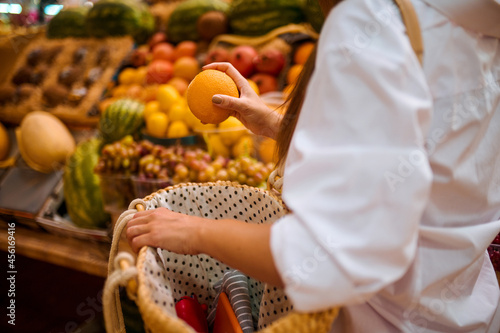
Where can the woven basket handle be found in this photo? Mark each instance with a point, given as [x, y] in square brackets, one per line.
[121, 272]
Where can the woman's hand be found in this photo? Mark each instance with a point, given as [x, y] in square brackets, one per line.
[248, 108]
[164, 229]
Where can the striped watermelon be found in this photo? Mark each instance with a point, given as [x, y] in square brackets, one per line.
[120, 18]
[314, 14]
[123, 117]
[258, 17]
[182, 22]
[81, 187]
[68, 23]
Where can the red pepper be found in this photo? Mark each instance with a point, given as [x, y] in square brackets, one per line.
[193, 313]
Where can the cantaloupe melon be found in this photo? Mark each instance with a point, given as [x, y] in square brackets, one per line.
[44, 141]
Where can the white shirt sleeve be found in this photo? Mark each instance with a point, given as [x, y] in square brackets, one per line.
[357, 176]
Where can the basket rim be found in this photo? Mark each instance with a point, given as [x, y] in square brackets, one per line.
[217, 183]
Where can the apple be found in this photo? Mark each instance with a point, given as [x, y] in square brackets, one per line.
[217, 54]
[139, 56]
[265, 82]
[241, 57]
[270, 61]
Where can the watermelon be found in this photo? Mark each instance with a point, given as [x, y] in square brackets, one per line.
[68, 23]
[314, 14]
[119, 18]
[123, 117]
[258, 17]
[182, 22]
[81, 187]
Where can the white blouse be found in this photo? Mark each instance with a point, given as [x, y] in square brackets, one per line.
[393, 176]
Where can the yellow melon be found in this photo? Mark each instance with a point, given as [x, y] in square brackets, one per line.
[4, 143]
[44, 141]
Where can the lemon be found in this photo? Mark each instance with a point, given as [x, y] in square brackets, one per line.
[178, 111]
[216, 147]
[167, 96]
[191, 119]
[177, 129]
[157, 124]
[140, 75]
[231, 130]
[254, 86]
[127, 76]
[120, 91]
[267, 150]
[244, 147]
[150, 108]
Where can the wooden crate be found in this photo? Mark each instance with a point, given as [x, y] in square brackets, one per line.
[83, 113]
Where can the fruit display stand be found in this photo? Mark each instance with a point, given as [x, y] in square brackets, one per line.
[64, 76]
[33, 201]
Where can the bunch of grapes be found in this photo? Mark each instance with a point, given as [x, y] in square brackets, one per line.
[494, 252]
[120, 157]
[177, 164]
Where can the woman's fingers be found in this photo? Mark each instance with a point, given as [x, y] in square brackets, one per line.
[229, 69]
[230, 103]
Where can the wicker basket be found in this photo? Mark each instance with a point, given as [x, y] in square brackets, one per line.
[160, 279]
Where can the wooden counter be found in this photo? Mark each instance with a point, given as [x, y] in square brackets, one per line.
[86, 256]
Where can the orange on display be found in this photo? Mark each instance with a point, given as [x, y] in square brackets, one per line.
[200, 91]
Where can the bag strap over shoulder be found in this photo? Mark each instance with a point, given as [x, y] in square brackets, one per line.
[410, 20]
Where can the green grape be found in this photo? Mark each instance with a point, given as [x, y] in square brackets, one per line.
[242, 178]
[232, 173]
[127, 140]
[202, 176]
[259, 177]
[222, 174]
[126, 163]
[181, 170]
[117, 162]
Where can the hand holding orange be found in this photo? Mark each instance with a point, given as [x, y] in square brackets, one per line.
[200, 91]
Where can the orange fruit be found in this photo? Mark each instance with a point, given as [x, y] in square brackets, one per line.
[179, 83]
[186, 68]
[201, 90]
[293, 73]
[163, 51]
[186, 48]
[303, 52]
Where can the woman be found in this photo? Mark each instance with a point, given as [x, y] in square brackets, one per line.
[392, 175]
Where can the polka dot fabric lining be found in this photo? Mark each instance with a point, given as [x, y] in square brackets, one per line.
[170, 276]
